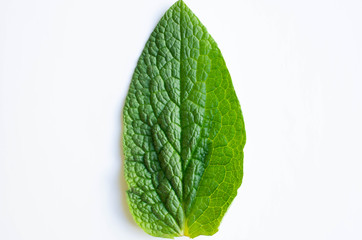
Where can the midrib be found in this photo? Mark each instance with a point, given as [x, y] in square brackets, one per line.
[181, 110]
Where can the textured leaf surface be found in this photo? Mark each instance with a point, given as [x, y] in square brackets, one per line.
[183, 131]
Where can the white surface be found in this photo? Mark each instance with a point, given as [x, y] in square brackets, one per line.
[65, 67]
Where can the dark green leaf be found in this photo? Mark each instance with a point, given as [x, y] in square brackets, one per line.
[183, 131]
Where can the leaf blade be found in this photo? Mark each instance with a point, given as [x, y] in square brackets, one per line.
[184, 131]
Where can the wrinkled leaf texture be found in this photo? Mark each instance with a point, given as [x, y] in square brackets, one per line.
[183, 131]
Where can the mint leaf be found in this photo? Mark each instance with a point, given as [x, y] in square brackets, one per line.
[183, 131]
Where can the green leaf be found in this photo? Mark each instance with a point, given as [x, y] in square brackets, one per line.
[183, 131]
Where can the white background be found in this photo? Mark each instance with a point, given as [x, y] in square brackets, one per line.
[65, 68]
